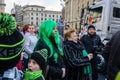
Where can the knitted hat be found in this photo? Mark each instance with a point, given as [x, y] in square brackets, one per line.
[10, 42]
[91, 26]
[40, 57]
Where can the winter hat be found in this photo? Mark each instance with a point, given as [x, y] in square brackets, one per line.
[40, 57]
[91, 26]
[10, 42]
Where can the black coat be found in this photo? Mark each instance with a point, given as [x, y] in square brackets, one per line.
[111, 53]
[92, 43]
[55, 69]
[73, 59]
[40, 78]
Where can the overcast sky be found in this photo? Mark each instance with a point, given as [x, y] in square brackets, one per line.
[49, 4]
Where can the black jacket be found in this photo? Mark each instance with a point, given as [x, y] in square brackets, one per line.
[111, 53]
[92, 43]
[40, 78]
[74, 60]
[55, 69]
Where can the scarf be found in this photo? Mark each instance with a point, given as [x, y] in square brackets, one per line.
[87, 69]
[117, 76]
[33, 75]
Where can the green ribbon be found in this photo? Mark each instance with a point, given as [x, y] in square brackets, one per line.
[87, 69]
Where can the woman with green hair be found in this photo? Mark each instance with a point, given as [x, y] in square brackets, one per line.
[49, 39]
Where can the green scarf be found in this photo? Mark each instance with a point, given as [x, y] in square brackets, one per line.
[117, 76]
[32, 75]
[87, 69]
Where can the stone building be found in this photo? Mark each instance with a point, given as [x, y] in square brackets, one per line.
[2, 6]
[76, 12]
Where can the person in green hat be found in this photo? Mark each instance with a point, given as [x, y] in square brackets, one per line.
[36, 65]
[49, 39]
[11, 41]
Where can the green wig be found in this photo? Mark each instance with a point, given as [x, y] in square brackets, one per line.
[7, 28]
[46, 30]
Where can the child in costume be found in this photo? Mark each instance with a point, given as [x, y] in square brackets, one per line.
[36, 65]
[11, 42]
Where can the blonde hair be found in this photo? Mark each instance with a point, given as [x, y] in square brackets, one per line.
[68, 32]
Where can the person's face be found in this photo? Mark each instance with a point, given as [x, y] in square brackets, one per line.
[73, 37]
[91, 31]
[31, 29]
[33, 65]
[19, 27]
[54, 31]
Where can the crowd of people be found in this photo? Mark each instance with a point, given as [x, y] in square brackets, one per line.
[54, 52]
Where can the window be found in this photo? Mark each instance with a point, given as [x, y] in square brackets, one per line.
[49, 15]
[31, 8]
[93, 0]
[41, 14]
[96, 14]
[45, 15]
[60, 16]
[37, 23]
[37, 9]
[82, 13]
[88, 3]
[116, 12]
[31, 18]
[31, 13]
[37, 18]
[53, 16]
[31, 23]
[36, 14]
[41, 19]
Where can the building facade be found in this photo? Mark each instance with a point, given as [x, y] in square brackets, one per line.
[35, 14]
[2, 6]
[76, 12]
[17, 12]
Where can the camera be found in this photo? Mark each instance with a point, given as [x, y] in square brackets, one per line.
[97, 49]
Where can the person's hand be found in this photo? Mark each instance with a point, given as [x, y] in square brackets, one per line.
[63, 74]
[90, 56]
[22, 54]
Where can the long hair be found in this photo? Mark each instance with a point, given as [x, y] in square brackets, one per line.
[46, 30]
[25, 28]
